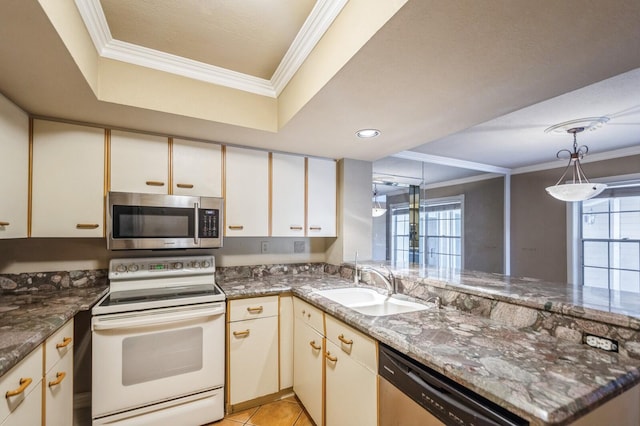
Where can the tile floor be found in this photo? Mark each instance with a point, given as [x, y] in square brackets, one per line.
[286, 412]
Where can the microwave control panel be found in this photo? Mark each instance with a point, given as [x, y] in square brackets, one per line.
[208, 223]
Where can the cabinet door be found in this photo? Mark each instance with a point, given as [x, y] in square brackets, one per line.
[287, 208]
[58, 386]
[247, 193]
[14, 170]
[253, 359]
[23, 383]
[307, 368]
[321, 198]
[68, 180]
[350, 390]
[197, 168]
[29, 412]
[139, 163]
[285, 320]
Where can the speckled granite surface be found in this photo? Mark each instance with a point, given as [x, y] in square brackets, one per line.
[32, 308]
[557, 309]
[540, 377]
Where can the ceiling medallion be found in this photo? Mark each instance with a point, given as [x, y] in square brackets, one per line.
[589, 123]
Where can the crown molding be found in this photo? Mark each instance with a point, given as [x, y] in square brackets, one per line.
[93, 17]
[150, 58]
[318, 22]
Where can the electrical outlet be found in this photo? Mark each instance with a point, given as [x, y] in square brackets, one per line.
[298, 247]
[603, 343]
[264, 247]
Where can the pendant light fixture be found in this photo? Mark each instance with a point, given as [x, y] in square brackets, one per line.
[579, 189]
[377, 209]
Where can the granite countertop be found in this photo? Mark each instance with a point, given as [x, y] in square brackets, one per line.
[598, 304]
[28, 318]
[539, 377]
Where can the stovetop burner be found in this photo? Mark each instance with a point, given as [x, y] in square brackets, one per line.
[150, 283]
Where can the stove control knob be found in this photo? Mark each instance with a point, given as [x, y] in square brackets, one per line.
[121, 268]
[177, 265]
[206, 264]
[196, 264]
[132, 268]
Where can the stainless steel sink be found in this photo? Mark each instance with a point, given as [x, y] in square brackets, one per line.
[369, 302]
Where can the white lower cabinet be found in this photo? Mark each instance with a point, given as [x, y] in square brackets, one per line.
[345, 357]
[22, 387]
[24, 384]
[350, 376]
[285, 324]
[308, 347]
[253, 349]
[58, 381]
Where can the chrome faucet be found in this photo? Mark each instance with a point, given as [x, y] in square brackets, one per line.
[436, 300]
[356, 278]
[389, 283]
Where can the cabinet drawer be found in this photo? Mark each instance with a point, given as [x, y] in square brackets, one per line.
[29, 368]
[58, 345]
[58, 385]
[255, 307]
[352, 342]
[309, 314]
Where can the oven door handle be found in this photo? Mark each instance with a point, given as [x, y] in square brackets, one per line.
[171, 317]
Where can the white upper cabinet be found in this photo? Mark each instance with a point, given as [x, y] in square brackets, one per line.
[287, 207]
[139, 163]
[321, 198]
[14, 170]
[68, 180]
[197, 168]
[246, 193]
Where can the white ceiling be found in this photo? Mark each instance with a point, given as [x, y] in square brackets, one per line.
[518, 140]
[477, 81]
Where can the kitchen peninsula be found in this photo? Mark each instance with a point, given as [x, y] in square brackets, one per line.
[499, 348]
[509, 340]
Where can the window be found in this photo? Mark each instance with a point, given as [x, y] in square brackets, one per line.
[610, 240]
[443, 232]
[440, 231]
[400, 233]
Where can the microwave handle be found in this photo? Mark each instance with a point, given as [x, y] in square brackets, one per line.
[196, 240]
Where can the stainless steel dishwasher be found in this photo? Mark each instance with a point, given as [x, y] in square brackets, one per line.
[412, 394]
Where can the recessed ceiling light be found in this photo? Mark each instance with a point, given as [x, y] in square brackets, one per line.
[367, 133]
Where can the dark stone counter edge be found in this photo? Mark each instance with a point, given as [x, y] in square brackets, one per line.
[558, 418]
[54, 322]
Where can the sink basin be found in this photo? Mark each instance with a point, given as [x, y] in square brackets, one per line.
[369, 302]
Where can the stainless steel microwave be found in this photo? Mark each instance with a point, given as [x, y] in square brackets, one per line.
[156, 221]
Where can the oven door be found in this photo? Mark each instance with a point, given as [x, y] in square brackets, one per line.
[145, 357]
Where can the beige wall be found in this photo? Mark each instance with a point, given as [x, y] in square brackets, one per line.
[483, 222]
[354, 212]
[539, 222]
[68, 254]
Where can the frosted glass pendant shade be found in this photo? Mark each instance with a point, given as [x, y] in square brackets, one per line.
[576, 191]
